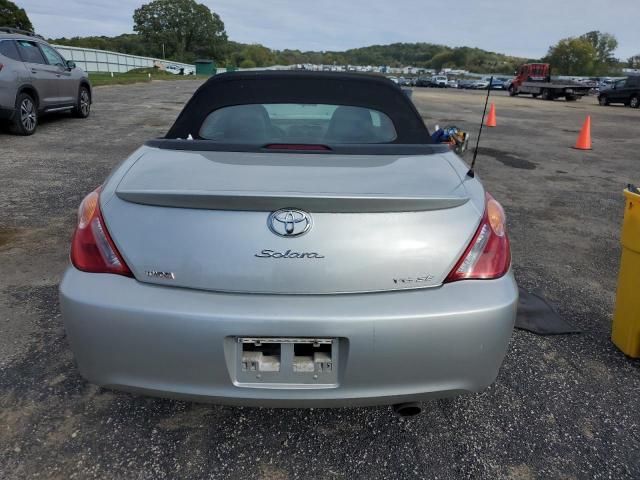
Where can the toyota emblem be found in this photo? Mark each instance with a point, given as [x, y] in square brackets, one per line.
[289, 222]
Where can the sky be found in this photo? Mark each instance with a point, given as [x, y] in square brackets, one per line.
[515, 27]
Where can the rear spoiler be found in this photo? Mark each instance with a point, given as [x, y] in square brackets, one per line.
[269, 201]
[342, 149]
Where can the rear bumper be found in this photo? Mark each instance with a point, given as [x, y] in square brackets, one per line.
[395, 347]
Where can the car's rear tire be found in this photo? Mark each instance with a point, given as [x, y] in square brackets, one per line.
[603, 100]
[25, 118]
[634, 102]
[83, 105]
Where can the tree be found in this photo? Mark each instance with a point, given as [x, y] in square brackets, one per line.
[186, 29]
[573, 56]
[249, 56]
[589, 54]
[248, 64]
[604, 44]
[13, 16]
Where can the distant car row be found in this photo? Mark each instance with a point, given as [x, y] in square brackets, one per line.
[499, 83]
[441, 81]
[598, 84]
[403, 82]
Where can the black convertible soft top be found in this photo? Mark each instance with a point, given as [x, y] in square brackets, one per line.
[264, 87]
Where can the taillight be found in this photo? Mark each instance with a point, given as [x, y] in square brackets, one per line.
[92, 249]
[488, 256]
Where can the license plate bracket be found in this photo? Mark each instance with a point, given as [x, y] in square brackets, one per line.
[282, 362]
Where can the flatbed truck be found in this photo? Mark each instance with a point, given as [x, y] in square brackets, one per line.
[535, 79]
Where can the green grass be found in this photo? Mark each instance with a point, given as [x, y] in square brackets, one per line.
[137, 75]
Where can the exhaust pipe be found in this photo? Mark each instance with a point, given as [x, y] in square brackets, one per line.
[407, 409]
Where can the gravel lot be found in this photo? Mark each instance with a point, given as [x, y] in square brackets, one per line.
[563, 407]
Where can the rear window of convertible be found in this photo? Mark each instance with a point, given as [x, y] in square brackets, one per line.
[291, 123]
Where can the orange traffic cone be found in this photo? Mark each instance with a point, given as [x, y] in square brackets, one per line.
[491, 121]
[584, 139]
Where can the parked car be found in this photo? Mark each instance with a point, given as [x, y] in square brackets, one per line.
[625, 91]
[423, 82]
[174, 69]
[466, 84]
[439, 81]
[496, 84]
[507, 84]
[177, 70]
[480, 84]
[35, 79]
[252, 264]
[605, 83]
[589, 82]
[394, 80]
[403, 82]
[452, 84]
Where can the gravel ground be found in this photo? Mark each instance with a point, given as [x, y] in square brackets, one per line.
[563, 407]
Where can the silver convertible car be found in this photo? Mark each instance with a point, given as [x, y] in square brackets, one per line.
[296, 239]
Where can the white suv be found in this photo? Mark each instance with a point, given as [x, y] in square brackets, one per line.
[439, 81]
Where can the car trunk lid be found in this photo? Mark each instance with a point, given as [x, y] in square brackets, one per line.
[200, 220]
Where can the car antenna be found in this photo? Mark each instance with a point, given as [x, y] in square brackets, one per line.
[471, 173]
